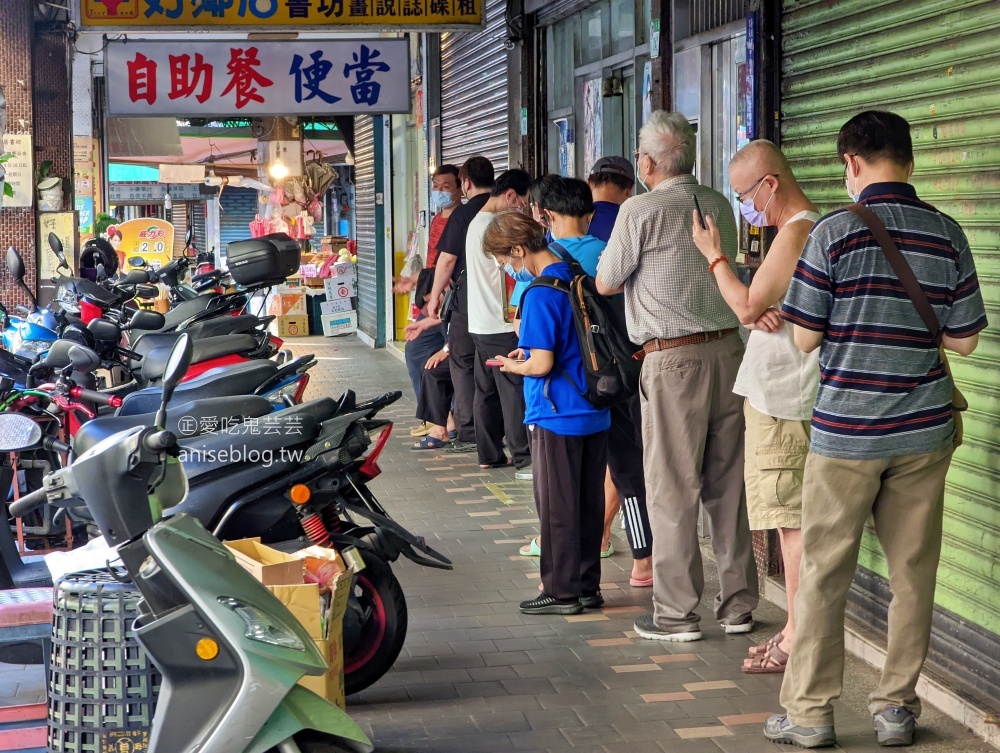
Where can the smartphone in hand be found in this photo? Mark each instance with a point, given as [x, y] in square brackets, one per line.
[697, 207]
[494, 362]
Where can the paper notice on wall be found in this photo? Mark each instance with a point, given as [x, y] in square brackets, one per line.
[17, 169]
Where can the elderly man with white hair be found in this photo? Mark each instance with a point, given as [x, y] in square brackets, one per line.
[692, 423]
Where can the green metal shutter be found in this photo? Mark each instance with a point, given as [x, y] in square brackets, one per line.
[934, 62]
[364, 223]
[474, 106]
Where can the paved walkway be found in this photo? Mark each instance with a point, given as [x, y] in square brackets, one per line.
[476, 676]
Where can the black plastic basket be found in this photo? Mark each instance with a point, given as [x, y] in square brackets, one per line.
[102, 686]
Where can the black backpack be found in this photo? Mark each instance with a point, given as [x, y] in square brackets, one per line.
[611, 372]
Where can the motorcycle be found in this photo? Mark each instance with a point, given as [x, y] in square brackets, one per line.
[229, 652]
[32, 335]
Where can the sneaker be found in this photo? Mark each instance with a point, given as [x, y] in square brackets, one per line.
[646, 628]
[894, 726]
[460, 446]
[779, 729]
[524, 474]
[544, 604]
[742, 625]
[421, 430]
[592, 600]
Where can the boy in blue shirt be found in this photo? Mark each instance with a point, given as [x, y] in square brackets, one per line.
[569, 437]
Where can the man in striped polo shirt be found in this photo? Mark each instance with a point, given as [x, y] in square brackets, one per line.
[882, 429]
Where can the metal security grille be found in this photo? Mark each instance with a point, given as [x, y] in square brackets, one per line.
[474, 102]
[364, 222]
[934, 63]
[710, 14]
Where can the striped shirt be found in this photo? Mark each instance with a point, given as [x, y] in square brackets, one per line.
[883, 391]
[668, 291]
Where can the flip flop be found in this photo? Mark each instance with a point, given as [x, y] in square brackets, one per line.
[763, 647]
[771, 662]
[640, 582]
[492, 466]
[608, 552]
[532, 549]
[429, 443]
[452, 435]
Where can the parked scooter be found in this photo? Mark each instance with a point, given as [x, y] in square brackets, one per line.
[229, 652]
[32, 335]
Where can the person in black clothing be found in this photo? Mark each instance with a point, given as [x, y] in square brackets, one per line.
[476, 178]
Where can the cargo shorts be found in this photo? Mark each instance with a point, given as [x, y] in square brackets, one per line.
[776, 450]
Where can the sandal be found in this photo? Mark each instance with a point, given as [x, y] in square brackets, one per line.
[492, 466]
[531, 550]
[771, 662]
[429, 443]
[766, 645]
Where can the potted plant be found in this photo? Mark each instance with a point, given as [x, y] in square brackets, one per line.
[50, 189]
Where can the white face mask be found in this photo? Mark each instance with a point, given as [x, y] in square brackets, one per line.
[847, 185]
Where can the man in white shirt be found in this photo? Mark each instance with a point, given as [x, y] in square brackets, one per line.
[777, 380]
[499, 403]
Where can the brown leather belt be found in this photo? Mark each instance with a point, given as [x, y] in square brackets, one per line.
[655, 345]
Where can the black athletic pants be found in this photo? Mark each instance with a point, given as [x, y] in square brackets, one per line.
[435, 396]
[499, 404]
[625, 463]
[569, 495]
[461, 360]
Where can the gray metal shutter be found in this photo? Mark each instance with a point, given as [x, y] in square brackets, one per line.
[198, 209]
[239, 207]
[364, 221]
[474, 103]
[936, 65]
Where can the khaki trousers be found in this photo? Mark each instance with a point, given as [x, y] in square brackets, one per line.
[692, 432]
[906, 496]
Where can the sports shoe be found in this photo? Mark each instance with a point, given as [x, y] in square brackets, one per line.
[894, 726]
[524, 474]
[779, 729]
[742, 625]
[460, 446]
[545, 604]
[421, 430]
[592, 600]
[646, 628]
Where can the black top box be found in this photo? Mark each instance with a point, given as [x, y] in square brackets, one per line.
[269, 259]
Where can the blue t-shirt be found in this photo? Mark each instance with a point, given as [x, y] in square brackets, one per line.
[586, 250]
[603, 221]
[547, 324]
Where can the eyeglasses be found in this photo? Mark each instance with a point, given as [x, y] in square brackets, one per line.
[740, 195]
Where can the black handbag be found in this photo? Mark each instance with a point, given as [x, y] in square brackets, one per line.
[450, 302]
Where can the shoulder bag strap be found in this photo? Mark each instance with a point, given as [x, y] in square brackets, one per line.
[900, 267]
[567, 257]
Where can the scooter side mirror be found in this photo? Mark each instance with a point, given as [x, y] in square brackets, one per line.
[18, 432]
[57, 248]
[136, 261]
[136, 277]
[188, 237]
[15, 264]
[177, 366]
[146, 320]
[83, 359]
[147, 291]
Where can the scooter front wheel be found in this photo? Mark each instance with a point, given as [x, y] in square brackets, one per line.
[309, 741]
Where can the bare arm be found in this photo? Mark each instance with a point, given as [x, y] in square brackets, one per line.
[604, 289]
[961, 345]
[442, 275]
[806, 340]
[769, 282]
[539, 364]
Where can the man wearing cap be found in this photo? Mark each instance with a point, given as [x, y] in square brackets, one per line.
[611, 181]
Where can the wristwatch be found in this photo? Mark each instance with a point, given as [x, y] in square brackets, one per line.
[445, 348]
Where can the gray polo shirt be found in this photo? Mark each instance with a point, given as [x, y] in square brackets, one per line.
[668, 290]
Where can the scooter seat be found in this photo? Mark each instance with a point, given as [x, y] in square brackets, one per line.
[235, 379]
[215, 327]
[155, 361]
[322, 409]
[184, 419]
[185, 310]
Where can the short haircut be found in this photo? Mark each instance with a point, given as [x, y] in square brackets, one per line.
[620, 181]
[509, 229]
[570, 197]
[516, 180]
[479, 172]
[539, 189]
[448, 170]
[669, 140]
[876, 135]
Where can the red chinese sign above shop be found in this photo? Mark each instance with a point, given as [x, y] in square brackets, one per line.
[257, 78]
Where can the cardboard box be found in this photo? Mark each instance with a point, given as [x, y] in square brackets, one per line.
[336, 306]
[290, 326]
[286, 300]
[339, 324]
[284, 575]
[314, 282]
[341, 286]
[344, 269]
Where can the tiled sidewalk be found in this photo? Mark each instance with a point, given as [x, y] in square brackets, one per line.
[476, 676]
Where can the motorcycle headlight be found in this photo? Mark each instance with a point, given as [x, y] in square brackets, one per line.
[260, 627]
[31, 348]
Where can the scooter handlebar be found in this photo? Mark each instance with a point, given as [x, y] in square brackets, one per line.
[27, 503]
[101, 398]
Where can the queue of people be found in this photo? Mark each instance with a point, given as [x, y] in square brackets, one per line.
[839, 406]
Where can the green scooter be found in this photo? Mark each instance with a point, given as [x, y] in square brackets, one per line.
[230, 653]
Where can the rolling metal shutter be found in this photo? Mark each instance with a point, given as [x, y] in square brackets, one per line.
[364, 222]
[934, 62]
[239, 207]
[474, 102]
